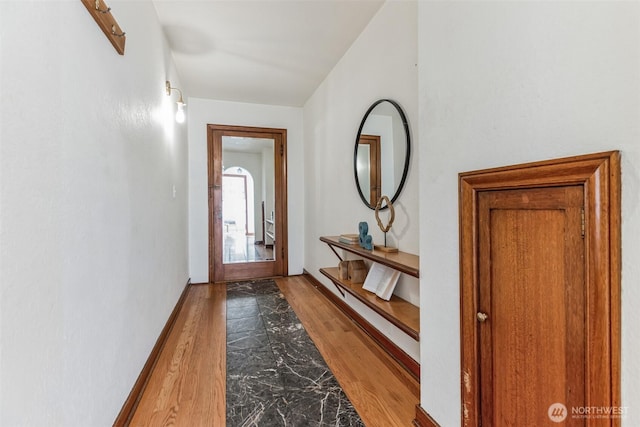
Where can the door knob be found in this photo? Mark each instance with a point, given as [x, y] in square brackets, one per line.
[482, 317]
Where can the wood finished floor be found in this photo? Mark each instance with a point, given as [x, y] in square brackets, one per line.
[187, 386]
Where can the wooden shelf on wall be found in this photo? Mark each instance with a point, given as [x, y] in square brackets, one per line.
[397, 311]
[402, 314]
[402, 261]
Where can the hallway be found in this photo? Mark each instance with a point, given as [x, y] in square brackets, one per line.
[187, 386]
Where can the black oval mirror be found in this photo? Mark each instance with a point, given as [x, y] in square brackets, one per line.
[382, 151]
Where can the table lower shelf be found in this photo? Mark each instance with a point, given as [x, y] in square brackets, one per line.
[399, 312]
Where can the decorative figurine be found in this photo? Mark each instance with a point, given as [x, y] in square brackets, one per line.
[364, 239]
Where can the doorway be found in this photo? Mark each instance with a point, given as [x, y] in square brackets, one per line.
[540, 292]
[239, 243]
[247, 176]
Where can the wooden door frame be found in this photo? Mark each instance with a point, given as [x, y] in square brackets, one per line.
[599, 174]
[215, 192]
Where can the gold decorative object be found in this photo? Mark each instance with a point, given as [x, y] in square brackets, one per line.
[385, 228]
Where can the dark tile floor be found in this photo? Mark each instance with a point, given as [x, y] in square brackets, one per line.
[275, 374]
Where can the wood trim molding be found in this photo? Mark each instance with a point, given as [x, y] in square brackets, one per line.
[423, 419]
[599, 174]
[406, 361]
[130, 405]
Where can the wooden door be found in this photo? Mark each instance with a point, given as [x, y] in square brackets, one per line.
[532, 292]
[278, 266]
[540, 293]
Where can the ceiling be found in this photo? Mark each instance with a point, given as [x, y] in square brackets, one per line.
[260, 51]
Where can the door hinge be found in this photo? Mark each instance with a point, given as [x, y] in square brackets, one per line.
[582, 221]
[281, 149]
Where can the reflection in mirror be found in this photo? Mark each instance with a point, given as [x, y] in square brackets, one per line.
[368, 167]
[382, 152]
[247, 199]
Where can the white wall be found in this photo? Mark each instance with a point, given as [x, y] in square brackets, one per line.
[510, 82]
[203, 112]
[382, 63]
[93, 250]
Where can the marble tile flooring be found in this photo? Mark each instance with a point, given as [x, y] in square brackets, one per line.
[275, 374]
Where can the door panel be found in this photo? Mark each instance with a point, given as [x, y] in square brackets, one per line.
[532, 289]
[551, 294]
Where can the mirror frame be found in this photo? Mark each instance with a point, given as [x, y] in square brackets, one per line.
[407, 158]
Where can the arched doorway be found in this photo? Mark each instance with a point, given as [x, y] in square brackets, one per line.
[238, 198]
[241, 220]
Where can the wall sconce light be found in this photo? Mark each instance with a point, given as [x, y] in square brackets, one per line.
[180, 115]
